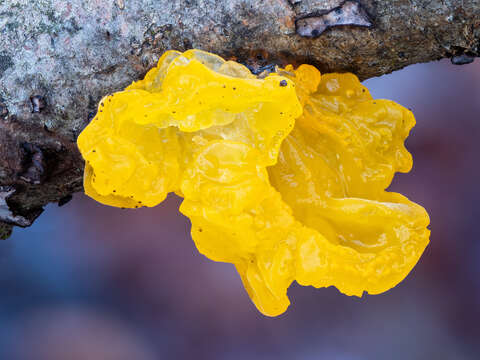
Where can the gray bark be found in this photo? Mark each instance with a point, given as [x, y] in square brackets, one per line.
[58, 58]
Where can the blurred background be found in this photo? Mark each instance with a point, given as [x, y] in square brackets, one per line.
[88, 281]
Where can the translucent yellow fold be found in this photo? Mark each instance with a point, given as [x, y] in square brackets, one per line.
[283, 176]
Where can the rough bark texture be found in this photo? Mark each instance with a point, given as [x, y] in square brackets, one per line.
[58, 58]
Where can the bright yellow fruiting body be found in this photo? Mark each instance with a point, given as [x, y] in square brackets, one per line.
[284, 176]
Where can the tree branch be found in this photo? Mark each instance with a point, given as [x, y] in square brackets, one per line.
[58, 58]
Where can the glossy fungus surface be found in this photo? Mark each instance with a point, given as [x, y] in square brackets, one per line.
[283, 176]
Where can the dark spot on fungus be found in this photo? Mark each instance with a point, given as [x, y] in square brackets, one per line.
[65, 200]
[349, 12]
[283, 83]
[234, 88]
[38, 103]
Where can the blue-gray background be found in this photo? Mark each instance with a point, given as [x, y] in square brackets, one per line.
[88, 281]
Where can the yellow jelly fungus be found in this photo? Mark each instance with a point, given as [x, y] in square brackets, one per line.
[283, 176]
